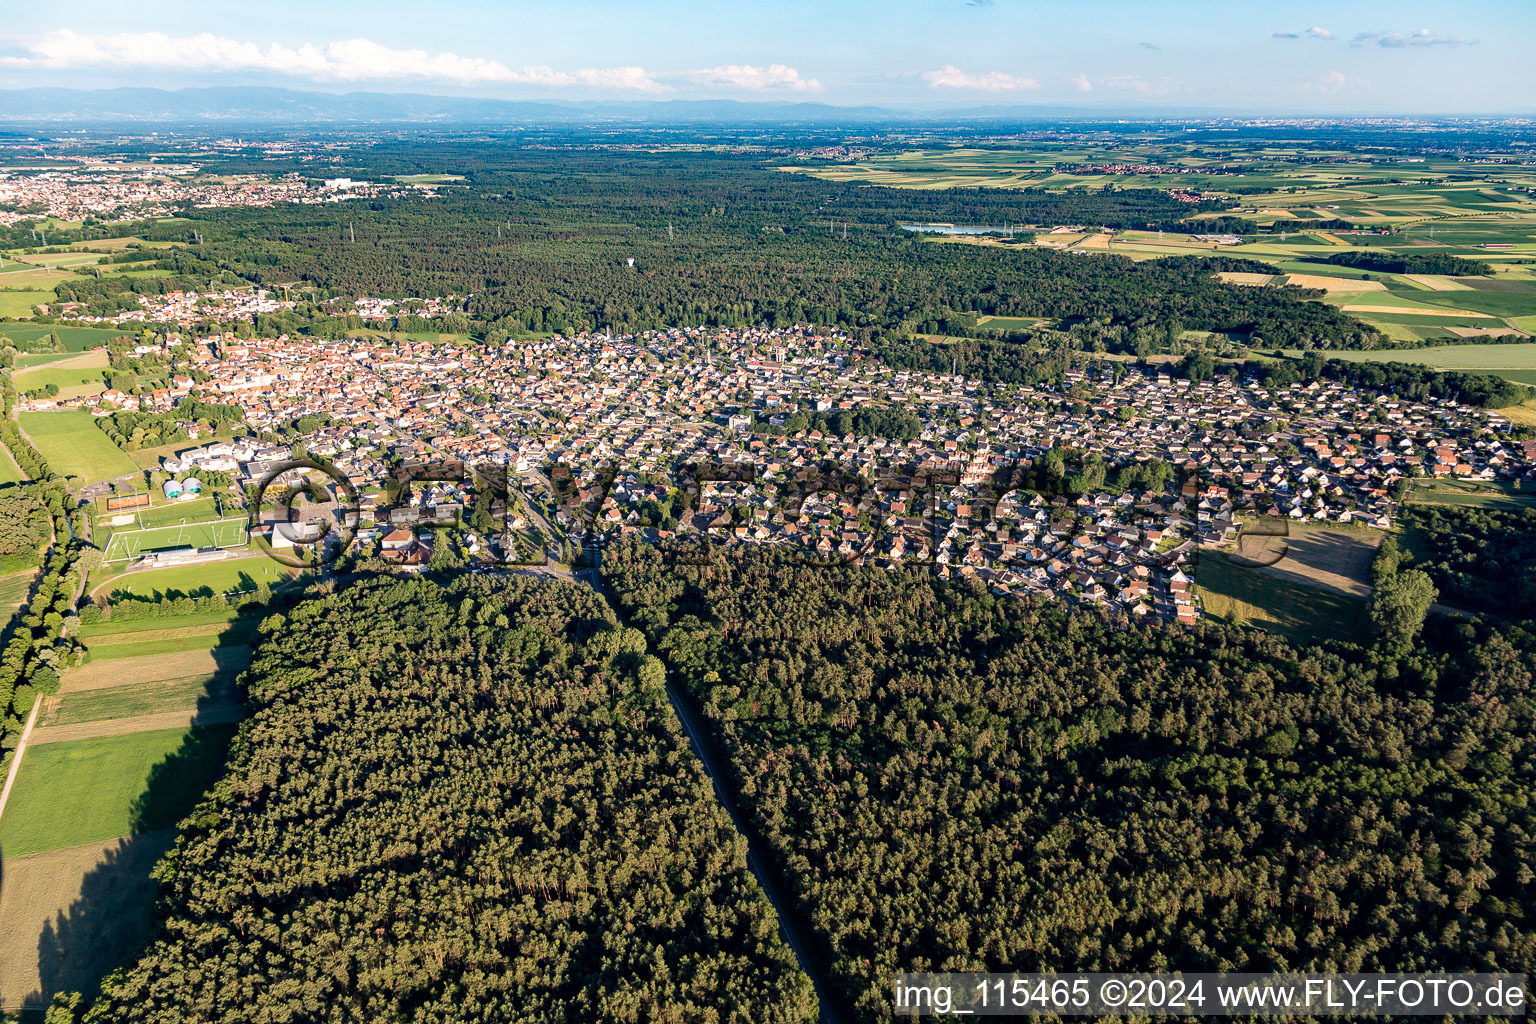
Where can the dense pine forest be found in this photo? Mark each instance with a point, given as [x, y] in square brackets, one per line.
[952, 782]
[1480, 559]
[468, 803]
[540, 241]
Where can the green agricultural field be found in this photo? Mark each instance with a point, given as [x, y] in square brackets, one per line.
[1494, 303]
[110, 630]
[28, 360]
[135, 699]
[90, 790]
[1409, 319]
[143, 648]
[1450, 357]
[235, 575]
[19, 302]
[73, 445]
[74, 339]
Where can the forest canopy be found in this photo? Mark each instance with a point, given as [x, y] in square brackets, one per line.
[468, 803]
[952, 782]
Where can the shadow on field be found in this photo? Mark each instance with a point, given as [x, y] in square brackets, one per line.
[113, 917]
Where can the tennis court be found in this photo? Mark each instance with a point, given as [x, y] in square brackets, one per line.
[126, 545]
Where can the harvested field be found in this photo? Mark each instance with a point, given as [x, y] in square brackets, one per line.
[93, 900]
[1485, 332]
[1413, 310]
[1337, 559]
[1334, 284]
[120, 671]
[1243, 277]
[215, 714]
[1437, 284]
[164, 633]
[1297, 611]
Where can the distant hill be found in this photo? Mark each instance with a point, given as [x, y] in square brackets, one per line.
[261, 104]
[268, 105]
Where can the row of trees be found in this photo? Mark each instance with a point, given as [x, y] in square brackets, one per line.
[36, 645]
[951, 782]
[1389, 262]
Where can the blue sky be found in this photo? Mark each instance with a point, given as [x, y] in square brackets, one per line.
[1361, 57]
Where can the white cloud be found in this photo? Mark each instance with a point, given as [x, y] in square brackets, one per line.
[951, 77]
[1138, 84]
[1319, 33]
[1394, 40]
[745, 76]
[347, 60]
[1332, 81]
[1081, 83]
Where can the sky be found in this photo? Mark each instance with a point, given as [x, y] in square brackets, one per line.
[1242, 56]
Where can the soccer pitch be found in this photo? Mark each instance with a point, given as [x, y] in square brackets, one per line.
[126, 545]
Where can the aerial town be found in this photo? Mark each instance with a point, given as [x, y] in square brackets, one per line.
[628, 416]
[121, 190]
[763, 514]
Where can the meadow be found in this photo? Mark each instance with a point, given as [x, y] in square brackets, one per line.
[116, 759]
[74, 339]
[16, 301]
[1300, 612]
[73, 445]
[234, 575]
[89, 790]
[74, 377]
